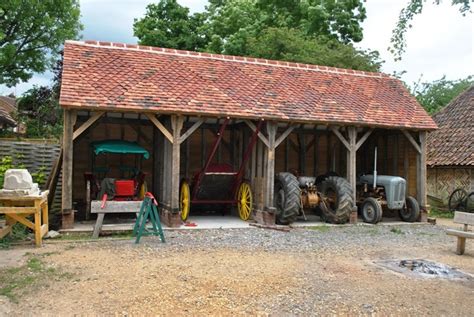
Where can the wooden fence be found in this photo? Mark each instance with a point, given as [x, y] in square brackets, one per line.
[36, 156]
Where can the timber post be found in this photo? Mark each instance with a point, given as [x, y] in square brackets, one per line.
[67, 168]
[421, 171]
[270, 165]
[351, 160]
[176, 126]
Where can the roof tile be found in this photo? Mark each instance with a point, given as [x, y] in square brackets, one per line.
[125, 76]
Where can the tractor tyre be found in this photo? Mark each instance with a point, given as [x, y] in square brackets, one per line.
[337, 200]
[411, 211]
[371, 210]
[287, 198]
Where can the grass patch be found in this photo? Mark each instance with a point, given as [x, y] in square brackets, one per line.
[397, 230]
[322, 228]
[373, 231]
[15, 282]
[80, 236]
[437, 213]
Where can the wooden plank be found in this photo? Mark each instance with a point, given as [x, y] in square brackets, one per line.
[463, 218]
[260, 135]
[67, 170]
[459, 233]
[115, 207]
[340, 137]
[412, 140]
[301, 153]
[160, 126]
[395, 154]
[191, 130]
[17, 210]
[21, 219]
[98, 225]
[140, 134]
[87, 124]
[5, 230]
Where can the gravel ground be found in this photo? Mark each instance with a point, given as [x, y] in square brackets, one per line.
[330, 270]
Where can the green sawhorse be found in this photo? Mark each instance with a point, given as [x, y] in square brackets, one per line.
[148, 211]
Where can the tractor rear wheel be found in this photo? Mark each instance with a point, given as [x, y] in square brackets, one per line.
[337, 200]
[184, 200]
[411, 211]
[287, 198]
[371, 210]
[244, 201]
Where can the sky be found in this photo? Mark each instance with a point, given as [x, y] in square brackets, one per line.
[440, 43]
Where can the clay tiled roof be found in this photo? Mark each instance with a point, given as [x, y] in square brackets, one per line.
[453, 143]
[7, 107]
[120, 77]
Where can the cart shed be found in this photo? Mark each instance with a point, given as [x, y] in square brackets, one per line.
[310, 118]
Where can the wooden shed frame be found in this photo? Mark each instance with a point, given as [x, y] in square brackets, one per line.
[170, 129]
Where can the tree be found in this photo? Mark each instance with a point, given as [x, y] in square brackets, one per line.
[31, 35]
[39, 109]
[433, 96]
[311, 31]
[407, 14]
[292, 45]
[168, 24]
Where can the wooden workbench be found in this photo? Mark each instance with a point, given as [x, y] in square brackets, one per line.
[18, 208]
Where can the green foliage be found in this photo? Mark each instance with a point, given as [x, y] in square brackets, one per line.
[397, 230]
[6, 163]
[19, 233]
[313, 31]
[31, 34]
[292, 45]
[433, 96]
[39, 176]
[168, 24]
[406, 16]
[39, 110]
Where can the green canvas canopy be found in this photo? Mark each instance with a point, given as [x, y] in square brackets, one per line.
[118, 147]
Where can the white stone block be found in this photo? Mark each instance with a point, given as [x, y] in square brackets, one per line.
[17, 179]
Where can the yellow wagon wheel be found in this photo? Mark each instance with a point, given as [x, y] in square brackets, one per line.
[244, 201]
[185, 200]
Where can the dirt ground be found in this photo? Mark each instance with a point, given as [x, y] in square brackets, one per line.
[253, 271]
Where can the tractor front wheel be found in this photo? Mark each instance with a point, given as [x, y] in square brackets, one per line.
[185, 200]
[411, 211]
[244, 201]
[371, 210]
[337, 200]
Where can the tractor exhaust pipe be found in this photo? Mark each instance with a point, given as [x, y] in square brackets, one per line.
[375, 168]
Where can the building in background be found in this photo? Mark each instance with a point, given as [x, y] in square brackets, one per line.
[450, 149]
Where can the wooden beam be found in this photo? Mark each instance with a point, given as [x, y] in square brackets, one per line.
[364, 138]
[270, 164]
[421, 171]
[341, 137]
[284, 135]
[412, 141]
[160, 126]
[87, 124]
[176, 126]
[191, 130]
[68, 143]
[351, 160]
[260, 135]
